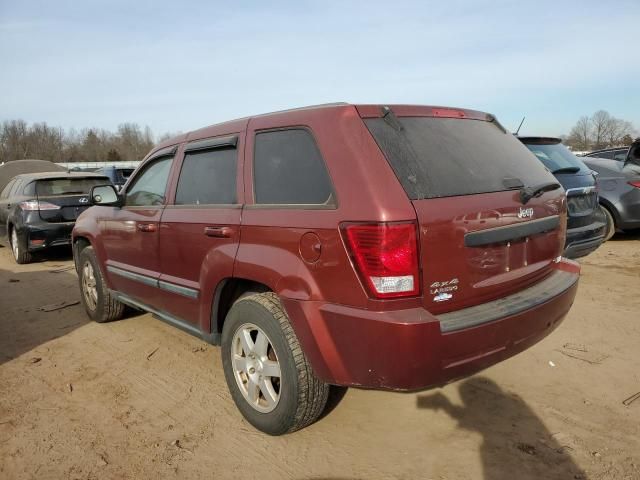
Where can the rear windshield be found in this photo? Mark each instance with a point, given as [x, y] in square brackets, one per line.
[68, 186]
[555, 156]
[444, 157]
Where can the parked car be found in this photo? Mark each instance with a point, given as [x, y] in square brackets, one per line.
[117, 175]
[38, 210]
[617, 153]
[386, 247]
[619, 188]
[586, 222]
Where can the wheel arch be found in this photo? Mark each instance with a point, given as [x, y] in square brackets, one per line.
[227, 292]
[612, 210]
[79, 243]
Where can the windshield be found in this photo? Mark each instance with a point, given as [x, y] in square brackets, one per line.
[443, 157]
[68, 186]
[555, 156]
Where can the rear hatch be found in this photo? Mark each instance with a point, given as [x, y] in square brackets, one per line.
[63, 199]
[465, 175]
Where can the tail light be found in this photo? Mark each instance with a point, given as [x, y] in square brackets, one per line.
[386, 257]
[35, 205]
[635, 183]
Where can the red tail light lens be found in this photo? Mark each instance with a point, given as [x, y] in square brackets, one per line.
[35, 205]
[635, 183]
[386, 257]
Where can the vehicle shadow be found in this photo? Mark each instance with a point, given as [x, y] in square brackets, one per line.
[515, 442]
[23, 326]
[626, 235]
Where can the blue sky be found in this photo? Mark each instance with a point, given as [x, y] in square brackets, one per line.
[177, 66]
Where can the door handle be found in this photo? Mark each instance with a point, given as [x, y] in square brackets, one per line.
[218, 232]
[148, 227]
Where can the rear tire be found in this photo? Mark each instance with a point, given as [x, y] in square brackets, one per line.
[20, 254]
[99, 303]
[290, 399]
[611, 224]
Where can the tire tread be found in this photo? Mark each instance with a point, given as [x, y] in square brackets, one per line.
[112, 309]
[313, 392]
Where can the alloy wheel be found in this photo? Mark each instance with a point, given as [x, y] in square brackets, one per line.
[15, 247]
[89, 288]
[256, 368]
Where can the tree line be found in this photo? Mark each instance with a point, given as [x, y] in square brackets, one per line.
[600, 130]
[19, 140]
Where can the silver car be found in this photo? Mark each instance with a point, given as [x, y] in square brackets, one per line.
[619, 183]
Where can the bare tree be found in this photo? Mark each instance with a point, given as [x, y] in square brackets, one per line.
[599, 131]
[580, 135]
[618, 130]
[19, 140]
[602, 123]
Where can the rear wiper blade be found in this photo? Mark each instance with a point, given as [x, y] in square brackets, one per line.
[566, 170]
[527, 193]
[390, 117]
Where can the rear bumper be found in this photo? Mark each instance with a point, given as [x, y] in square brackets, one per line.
[408, 349]
[582, 241]
[42, 235]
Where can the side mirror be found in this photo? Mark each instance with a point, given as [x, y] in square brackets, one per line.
[105, 195]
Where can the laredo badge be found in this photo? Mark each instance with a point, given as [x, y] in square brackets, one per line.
[443, 291]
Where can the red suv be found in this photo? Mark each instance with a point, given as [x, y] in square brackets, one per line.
[389, 247]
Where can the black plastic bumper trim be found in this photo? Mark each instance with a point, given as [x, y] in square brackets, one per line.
[552, 286]
[511, 232]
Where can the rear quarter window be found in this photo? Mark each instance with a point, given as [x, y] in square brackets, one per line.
[288, 169]
[443, 157]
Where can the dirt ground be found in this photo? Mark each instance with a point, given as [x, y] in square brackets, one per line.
[139, 399]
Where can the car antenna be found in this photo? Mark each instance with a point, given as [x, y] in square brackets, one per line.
[519, 126]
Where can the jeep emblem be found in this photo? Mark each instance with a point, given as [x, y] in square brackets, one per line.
[525, 213]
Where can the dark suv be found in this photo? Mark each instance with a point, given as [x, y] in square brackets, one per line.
[388, 247]
[587, 223]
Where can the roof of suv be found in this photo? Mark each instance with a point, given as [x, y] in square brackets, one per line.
[364, 110]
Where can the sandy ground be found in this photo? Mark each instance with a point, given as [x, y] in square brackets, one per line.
[140, 399]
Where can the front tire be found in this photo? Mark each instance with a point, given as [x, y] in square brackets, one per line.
[268, 375]
[20, 254]
[99, 303]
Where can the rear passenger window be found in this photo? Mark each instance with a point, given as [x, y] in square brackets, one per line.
[208, 178]
[288, 169]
